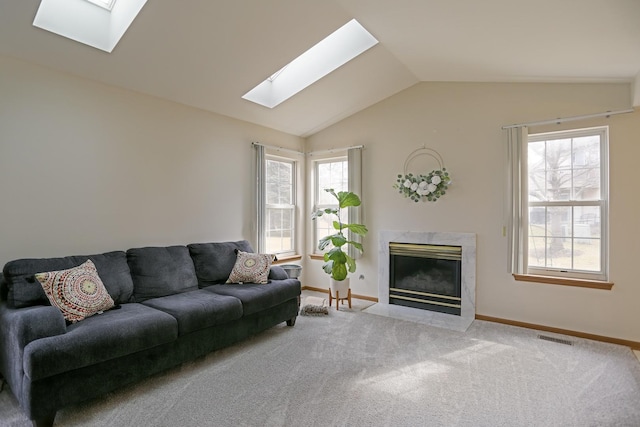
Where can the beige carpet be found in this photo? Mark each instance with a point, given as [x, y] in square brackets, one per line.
[354, 369]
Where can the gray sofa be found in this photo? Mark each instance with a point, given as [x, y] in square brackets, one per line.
[172, 305]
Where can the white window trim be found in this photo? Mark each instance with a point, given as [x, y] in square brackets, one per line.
[316, 195]
[293, 207]
[603, 203]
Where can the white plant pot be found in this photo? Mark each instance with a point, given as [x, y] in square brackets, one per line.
[339, 288]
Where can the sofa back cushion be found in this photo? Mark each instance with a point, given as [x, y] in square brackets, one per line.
[23, 290]
[161, 271]
[214, 261]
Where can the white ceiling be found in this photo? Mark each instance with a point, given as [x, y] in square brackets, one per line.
[208, 53]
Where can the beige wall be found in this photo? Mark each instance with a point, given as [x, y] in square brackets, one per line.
[86, 168]
[463, 122]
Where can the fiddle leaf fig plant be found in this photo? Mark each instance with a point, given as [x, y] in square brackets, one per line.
[337, 262]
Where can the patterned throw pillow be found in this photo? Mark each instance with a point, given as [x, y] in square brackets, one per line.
[78, 292]
[251, 268]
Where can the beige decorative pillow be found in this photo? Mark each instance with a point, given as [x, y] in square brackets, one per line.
[78, 292]
[251, 268]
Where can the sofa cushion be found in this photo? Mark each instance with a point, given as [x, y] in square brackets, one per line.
[115, 333]
[251, 268]
[77, 292]
[24, 291]
[256, 297]
[161, 271]
[198, 309]
[214, 261]
[277, 273]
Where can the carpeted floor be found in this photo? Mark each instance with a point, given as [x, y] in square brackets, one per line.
[356, 369]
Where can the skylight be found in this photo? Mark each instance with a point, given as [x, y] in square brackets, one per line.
[100, 27]
[335, 50]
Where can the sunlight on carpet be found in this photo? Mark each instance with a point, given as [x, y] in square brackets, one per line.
[409, 379]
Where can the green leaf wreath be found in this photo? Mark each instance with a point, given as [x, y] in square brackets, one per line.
[424, 187]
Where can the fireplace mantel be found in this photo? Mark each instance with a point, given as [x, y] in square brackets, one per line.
[468, 310]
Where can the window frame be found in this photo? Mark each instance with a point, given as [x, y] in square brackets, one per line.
[105, 4]
[317, 191]
[602, 203]
[292, 207]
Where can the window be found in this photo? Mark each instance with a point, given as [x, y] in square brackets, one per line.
[101, 27]
[105, 4]
[566, 196]
[335, 50]
[331, 173]
[280, 206]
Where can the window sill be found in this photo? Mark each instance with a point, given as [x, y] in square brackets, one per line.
[288, 258]
[580, 283]
[317, 256]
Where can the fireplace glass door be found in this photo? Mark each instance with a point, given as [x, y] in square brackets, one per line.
[424, 276]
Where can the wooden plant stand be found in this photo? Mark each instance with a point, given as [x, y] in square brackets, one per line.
[338, 298]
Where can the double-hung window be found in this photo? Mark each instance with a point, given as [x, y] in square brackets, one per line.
[329, 173]
[565, 191]
[280, 206]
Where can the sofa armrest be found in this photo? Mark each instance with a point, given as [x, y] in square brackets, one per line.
[20, 326]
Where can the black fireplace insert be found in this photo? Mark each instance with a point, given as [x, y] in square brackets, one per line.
[425, 276]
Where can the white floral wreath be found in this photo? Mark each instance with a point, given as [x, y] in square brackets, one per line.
[428, 187]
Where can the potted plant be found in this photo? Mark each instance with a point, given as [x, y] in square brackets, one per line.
[337, 262]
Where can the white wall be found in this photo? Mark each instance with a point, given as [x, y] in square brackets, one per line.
[86, 168]
[463, 122]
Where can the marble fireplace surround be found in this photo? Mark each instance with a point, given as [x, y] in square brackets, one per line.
[449, 321]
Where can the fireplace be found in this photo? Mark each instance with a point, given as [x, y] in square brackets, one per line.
[457, 245]
[427, 277]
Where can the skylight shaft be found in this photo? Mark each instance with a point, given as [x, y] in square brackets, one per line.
[335, 50]
[80, 20]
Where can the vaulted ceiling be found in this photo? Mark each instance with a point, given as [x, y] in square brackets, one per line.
[208, 53]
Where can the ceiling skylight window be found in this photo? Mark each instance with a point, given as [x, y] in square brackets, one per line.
[80, 20]
[335, 50]
[105, 4]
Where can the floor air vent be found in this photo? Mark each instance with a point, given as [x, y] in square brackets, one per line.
[552, 339]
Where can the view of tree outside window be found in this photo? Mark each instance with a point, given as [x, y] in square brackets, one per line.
[280, 206]
[329, 174]
[567, 201]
